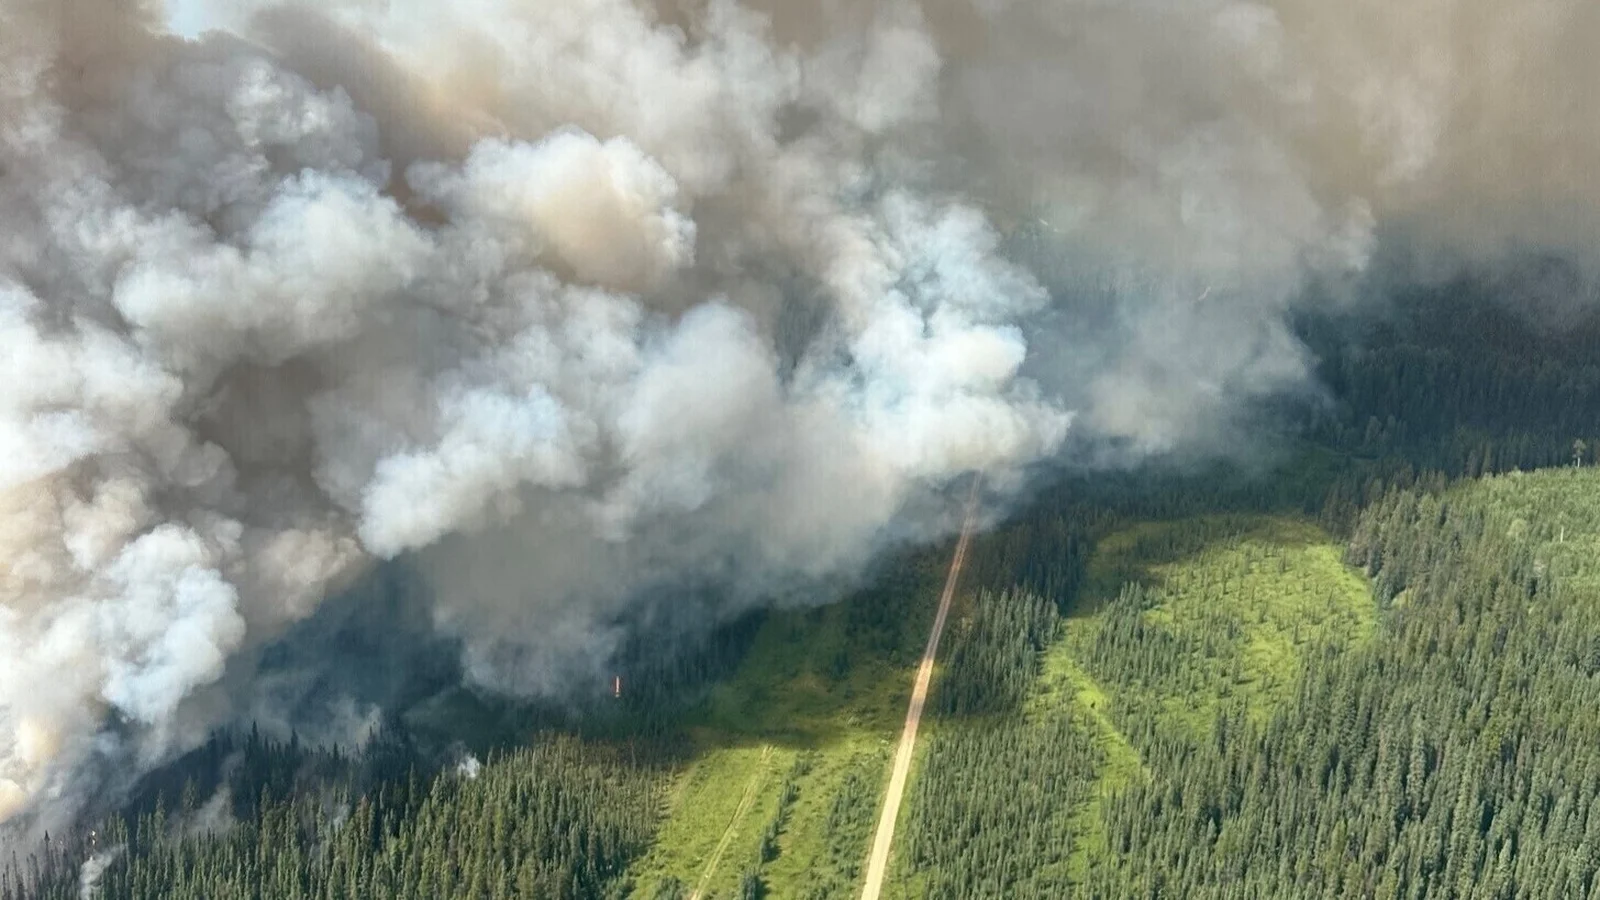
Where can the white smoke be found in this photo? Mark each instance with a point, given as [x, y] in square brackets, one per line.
[573, 299]
[93, 868]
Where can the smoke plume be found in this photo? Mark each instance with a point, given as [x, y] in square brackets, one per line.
[573, 300]
[93, 868]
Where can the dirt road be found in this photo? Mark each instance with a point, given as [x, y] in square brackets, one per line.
[878, 864]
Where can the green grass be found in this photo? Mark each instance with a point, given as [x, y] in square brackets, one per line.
[1230, 611]
[1064, 682]
[831, 683]
[1256, 595]
[718, 807]
[1250, 597]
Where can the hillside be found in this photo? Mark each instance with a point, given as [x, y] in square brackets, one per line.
[1348, 667]
[792, 749]
[513, 450]
[1180, 627]
[1234, 704]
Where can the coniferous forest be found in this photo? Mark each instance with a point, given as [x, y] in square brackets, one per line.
[1367, 668]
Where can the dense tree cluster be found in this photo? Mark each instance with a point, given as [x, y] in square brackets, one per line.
[1453, 756]
[991, 813]
[847, 832]
[1459, 383]
[994, 656]
[1453, 753]
[558, 819]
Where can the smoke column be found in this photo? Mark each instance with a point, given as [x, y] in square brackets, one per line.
[567, 300]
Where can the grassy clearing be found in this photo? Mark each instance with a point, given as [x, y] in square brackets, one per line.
[816, 705]
[711, 823]
[1065, 683]
[1178, 623]
[1227, 611]
[1231, 607]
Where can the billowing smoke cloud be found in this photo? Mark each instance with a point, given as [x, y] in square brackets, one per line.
[571, 300]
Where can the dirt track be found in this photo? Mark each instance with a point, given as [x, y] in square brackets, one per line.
[751, 791]
[878, 864]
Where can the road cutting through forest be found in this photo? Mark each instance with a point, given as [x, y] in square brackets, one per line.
[878, 864]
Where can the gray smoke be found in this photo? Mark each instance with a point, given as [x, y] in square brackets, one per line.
[573, 299]
[93, 869]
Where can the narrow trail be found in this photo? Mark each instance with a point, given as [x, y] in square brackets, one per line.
[878, 864]
[751, 791]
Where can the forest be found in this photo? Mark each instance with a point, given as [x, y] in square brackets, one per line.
[1366, 668]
